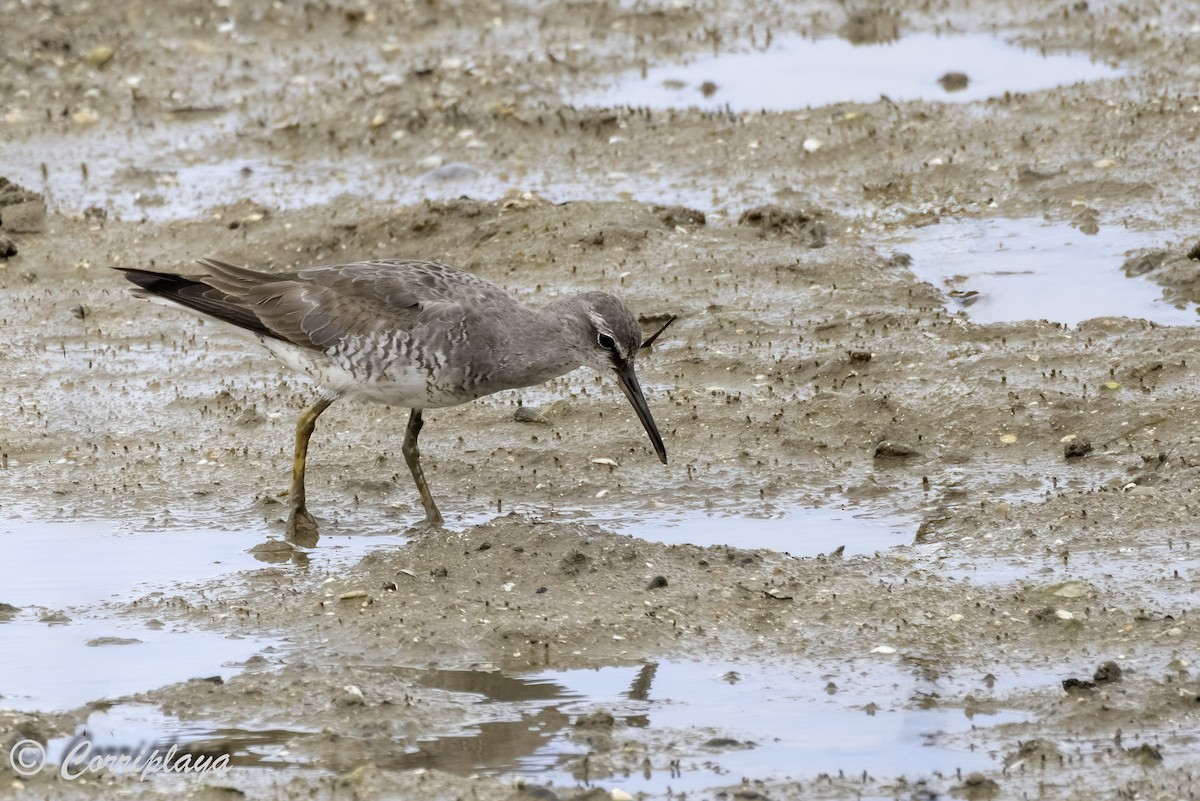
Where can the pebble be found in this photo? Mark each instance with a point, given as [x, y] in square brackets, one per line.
[1072, 589]
[99, 55]
[888, 449]
[883, 649]
[26, 217]
[350, 595]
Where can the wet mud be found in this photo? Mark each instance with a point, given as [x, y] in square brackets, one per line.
[953, 541]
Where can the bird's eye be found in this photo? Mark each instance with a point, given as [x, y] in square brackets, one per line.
[606, 342]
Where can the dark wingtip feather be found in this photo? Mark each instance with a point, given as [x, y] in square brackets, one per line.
[163, 284]
[194, 294]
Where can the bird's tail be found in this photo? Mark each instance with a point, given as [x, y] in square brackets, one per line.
[194, 294]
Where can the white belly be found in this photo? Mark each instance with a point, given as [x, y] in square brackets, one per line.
[395, 385]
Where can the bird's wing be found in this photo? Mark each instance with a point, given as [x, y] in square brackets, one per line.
[320, 307]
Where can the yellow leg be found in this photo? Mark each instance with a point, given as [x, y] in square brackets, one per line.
[301, 526]
[412, 455]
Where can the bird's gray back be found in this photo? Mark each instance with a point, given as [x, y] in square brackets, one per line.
[412, 333]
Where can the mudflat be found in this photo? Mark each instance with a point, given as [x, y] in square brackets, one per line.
[1004, 609]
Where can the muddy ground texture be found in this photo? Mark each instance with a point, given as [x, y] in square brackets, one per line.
[1049, 474]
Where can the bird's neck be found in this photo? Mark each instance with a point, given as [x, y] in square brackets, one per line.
[537, 350]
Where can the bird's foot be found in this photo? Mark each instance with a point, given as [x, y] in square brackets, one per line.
[302, 528]
[429, 524]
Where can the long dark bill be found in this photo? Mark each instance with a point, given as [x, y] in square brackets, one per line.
[629, 385]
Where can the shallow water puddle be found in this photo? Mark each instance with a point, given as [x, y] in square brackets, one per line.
[1026, 269]
[794, 531]
[167, 179]
[727, 720]
[808, 73]
[140, 729]
[724, 721]
[60, 649]
[798, 532]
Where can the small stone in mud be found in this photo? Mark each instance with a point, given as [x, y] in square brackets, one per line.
[273, 551]
[8, 610]
[11, 193]
[1077, 448]
[8, 247]
[1070, 589]
[1075, 686]
[657, 582]
[533, 792]
[860, 356]
[749, 795]
[1148, 755]
[351, 595]
[1139, 265]
[99, 642]
[708, 88]
[54, 619]
[573, 563]
[358, 776]
[680, 216]
[954, 81]
[1044, 615]
[1032, 751]
[28, 217]
[351, 696]
[726, 742]
[1194, 253]
[249, 417]
[890, 449]
[1108, 672]
[545, 413]
[773, 218]
[600, 719]
[870, 26]
[99, 55]
[976, 786]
